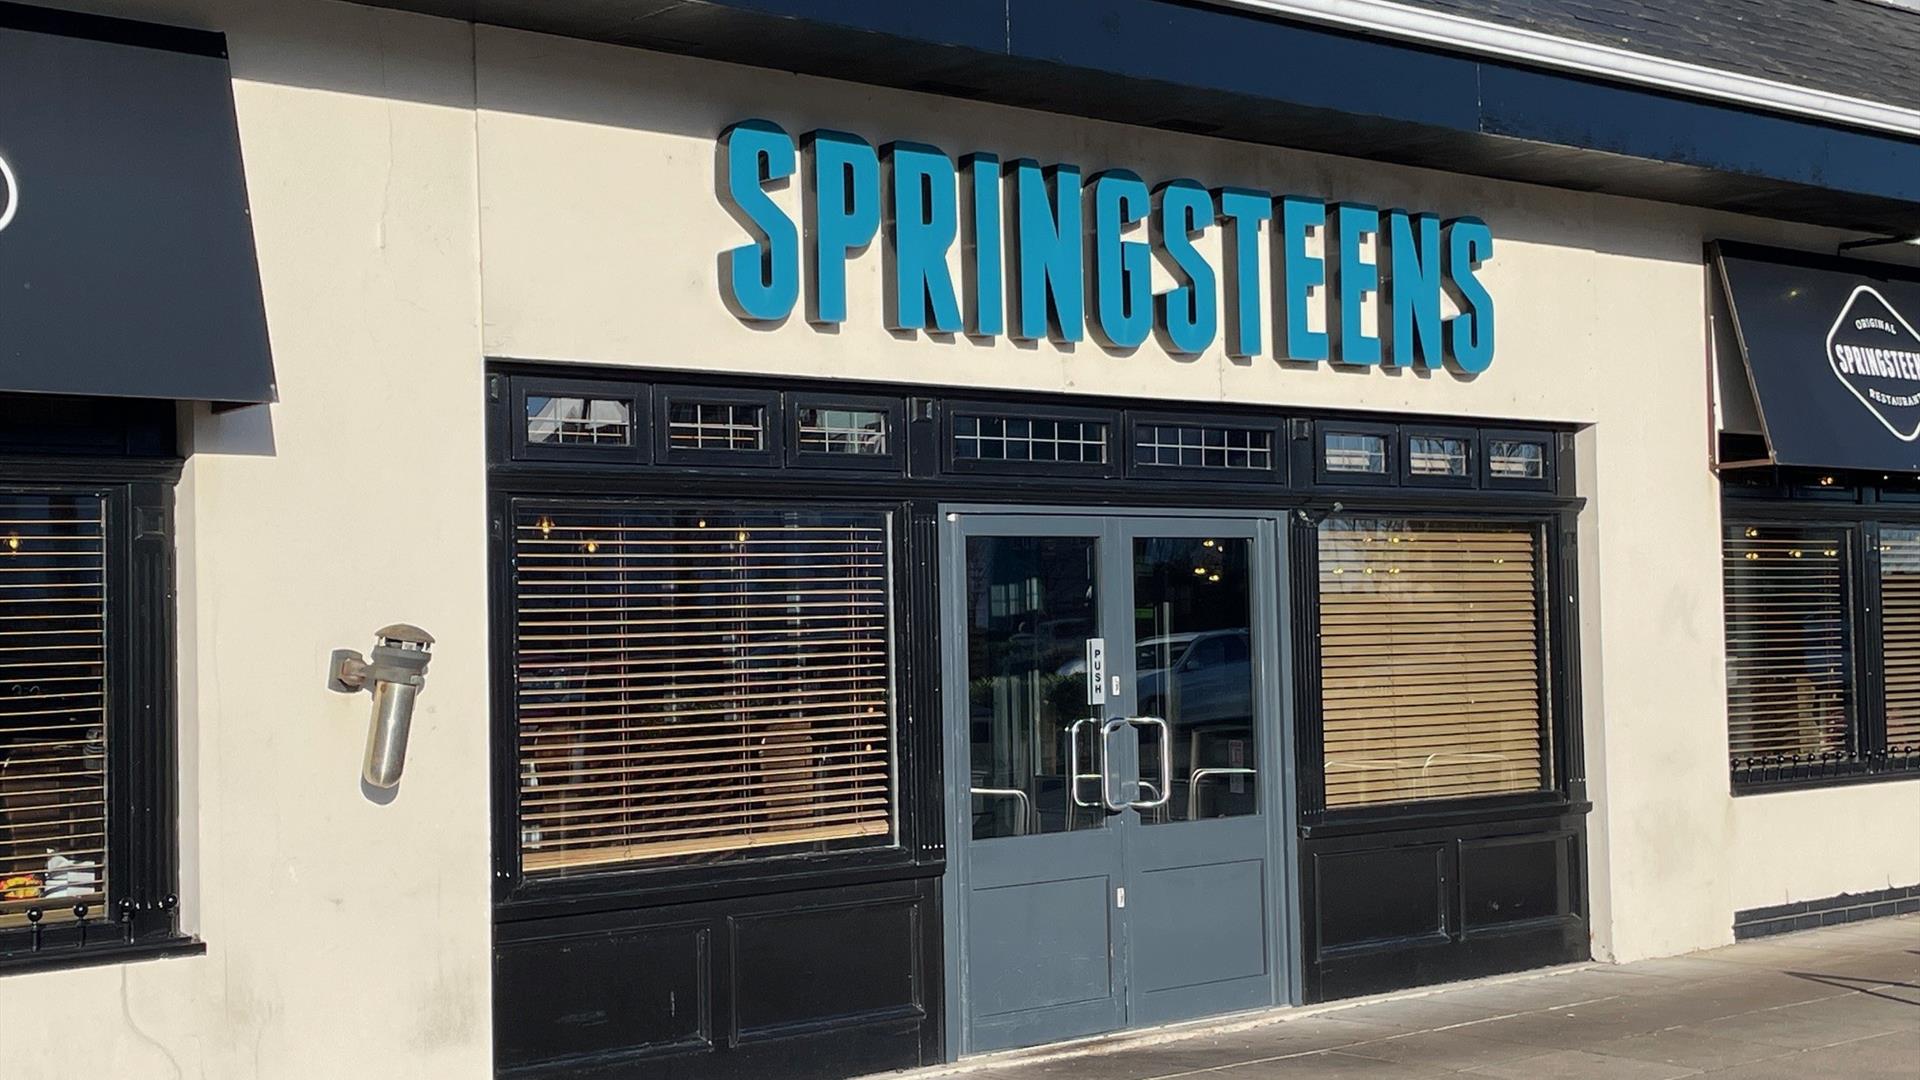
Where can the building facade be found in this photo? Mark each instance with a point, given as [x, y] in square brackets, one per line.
[936, 530]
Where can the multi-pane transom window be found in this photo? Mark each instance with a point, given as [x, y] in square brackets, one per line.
[698, 683]
[1204, 446]
[716, 425]
[858, 432]
[1437, 455]
[578, 421]
[54, 832]
[1036, 439]
[1431, 660]
[1354, 452]
[1789, 643]
[1516, 459]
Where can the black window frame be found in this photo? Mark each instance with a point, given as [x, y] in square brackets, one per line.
[1470, 440]
[1558, 666]
[638, 450]
[123, 453]
[1325, 475]
[1275, 474]
[1104, 470]
[893, 408]
[1861, 505]
[773, 426]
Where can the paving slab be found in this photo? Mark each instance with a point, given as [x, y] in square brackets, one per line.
[1840, 1002]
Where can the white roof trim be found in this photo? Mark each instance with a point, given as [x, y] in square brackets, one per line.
[1428, 27]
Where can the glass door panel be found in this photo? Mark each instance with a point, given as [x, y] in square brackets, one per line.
[1031, 609]
[1193, 669]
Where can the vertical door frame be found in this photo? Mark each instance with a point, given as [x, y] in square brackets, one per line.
[1273, 679]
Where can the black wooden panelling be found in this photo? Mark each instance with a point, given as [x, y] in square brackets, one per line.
[783, 959]
[632, 992]
[1392, 909]
[825, 983]
[1375, 898]
[1515, 879]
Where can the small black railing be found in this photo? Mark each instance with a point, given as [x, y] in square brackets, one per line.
[1830, 766]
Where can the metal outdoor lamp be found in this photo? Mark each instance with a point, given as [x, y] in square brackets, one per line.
[394, 674]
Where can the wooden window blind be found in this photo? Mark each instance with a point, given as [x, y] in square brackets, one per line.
[1431, 660]
[700, 683]
[53, 706]
[1789, 646]
[1900, 635]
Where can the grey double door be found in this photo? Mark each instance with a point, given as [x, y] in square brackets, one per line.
[1114, 733]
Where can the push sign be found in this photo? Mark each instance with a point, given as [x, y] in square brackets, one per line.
[1096, 671]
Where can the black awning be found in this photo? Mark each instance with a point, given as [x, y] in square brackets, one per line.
[126, 253]
[1833, 355]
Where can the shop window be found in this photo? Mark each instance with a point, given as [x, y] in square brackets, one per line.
[695, 685]
[1432, 660]
[716, 425]
[1823, 639]
[1789, 644]
[1353, 452]
[85, 722]
[713, 426]
[1900, 637]
[859, 432]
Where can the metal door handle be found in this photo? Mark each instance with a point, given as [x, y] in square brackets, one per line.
[1106, 779]
[1194, 781]
[1074, 775]
[1027, 820]
[1163, 789]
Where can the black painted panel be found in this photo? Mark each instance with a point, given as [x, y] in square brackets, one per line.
[816, 984]
[1511, 880]
[1380, 896]
[629, 991]
[1418, 904]
[782, 961]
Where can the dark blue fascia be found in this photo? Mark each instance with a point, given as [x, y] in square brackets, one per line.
[1194, 67]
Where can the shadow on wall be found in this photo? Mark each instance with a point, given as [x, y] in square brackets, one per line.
[239, 432]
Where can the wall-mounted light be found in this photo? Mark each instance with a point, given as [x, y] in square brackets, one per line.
[395, 674]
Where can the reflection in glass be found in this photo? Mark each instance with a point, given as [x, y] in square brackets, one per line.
[1030, 611]
[1194, 668]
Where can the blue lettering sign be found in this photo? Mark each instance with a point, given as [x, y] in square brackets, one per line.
[1353, 279]
[1300, 273]
[845, 213]
[1047, 268]
[763, 278]
[1122, 269]
[1190, 312]
[1242, 211]
[985, 289]
[920, 293]
[1413, 289]
[1470, 333]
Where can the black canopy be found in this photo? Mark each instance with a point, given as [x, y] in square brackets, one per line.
[126, 253]
[1833, 355]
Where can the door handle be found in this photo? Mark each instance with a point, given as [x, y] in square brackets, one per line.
[1106, 760]
[1074, 775]
[1163, 788]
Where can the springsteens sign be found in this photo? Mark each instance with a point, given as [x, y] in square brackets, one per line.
[1027, 276]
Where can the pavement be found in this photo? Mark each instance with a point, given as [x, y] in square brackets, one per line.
[1841, 1002]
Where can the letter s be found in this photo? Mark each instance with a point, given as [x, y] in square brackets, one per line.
[761, 280]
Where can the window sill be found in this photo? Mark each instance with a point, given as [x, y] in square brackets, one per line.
[62, 959]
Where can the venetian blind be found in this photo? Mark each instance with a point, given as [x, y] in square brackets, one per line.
[1430, 660]
[700, 683]
[1900, 635]
[1788, 645]
[53, 702]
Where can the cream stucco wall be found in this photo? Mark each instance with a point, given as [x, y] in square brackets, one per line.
[425, 195]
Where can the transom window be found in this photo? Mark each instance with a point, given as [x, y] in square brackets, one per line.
[861, 432]
[579, 421]
[1037, 439]
[1202, 446]
[716, 425]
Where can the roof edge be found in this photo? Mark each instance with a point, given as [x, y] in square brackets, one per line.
[1424, 26]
